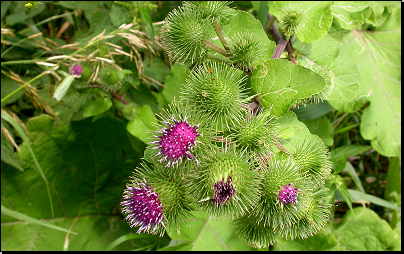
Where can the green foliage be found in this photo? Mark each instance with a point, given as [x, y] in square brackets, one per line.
[266, 94]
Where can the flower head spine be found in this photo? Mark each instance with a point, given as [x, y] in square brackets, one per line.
[176, 141]
[142, 207]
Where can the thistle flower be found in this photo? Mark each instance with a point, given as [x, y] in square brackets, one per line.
[313, 158]
[224, 191]
[275, 210]
[142, 207]
[178, 134]
[76, 70]
[276, 176]
[246, 50]
[224, 183]
[288, 195]
[183, 34]
[215, 90]
[316, 214]
[160, 201]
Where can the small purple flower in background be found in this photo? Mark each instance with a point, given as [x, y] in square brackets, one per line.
[176, 141]
[224, 191]
[76, 70]
[142, 207]
[288, 195]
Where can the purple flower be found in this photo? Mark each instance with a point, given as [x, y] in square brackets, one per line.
[224, 191]
[76, 70]
[142, 207]
[176, 141]
[288, 195]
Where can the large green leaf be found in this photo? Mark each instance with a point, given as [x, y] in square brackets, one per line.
[87, 180]
[351, 14]
[173, 82]
[280, 83]
[324, 57]
[378, 57]
[141, 127]
[363, 230]
[316, 17]
[360, 230]
[205, 234]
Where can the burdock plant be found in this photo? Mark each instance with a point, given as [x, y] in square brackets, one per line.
[216, 151]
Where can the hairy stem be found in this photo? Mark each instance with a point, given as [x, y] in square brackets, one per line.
[119, 98]
[219, 33]
[217, 49]
[280, 47]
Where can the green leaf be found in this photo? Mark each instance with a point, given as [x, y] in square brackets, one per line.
[324, 240]
[363, 230]
[118, 15]
[97, 107]
[351, 14]
[174, 81]
[290, 126]
[62, 89]
[316, 17]
[324, 57]
[313, 111]
[360, 196]
[322, 128]
[378, 57]
[280, 83]
[7, 87]
[7, 153]
[393, 177]
[83, 178]
[351, 171]
[209, 235]
[343, 190]
[141, 127]
[23, 217]
[244, 22]
[339, 155]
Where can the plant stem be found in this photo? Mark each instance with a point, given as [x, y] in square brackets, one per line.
[280, 47]
[32, 61]
[219, 33]
[119, 98]
[217, 49]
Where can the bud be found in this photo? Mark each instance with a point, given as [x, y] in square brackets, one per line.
[183, 34]
[246, 50]
[224, 183]
[76, 70]
[313, 158]
[215, 90]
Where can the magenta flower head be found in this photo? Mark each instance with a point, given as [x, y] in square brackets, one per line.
[176, 141]
[288, 195]
[142, 207]
[76, 70]
[224, 191]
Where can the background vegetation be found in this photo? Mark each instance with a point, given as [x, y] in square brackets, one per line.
[65, 163]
